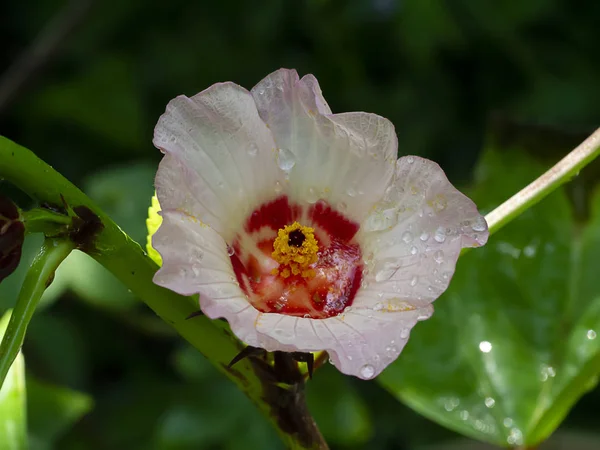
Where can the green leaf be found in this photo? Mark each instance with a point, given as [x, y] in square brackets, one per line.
[52, 411]
[512, 345]
[13, 415]
[338, 409]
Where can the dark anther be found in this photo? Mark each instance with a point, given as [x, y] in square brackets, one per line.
[246, 352]
[194, 314]
[296, 238]
[307, 358]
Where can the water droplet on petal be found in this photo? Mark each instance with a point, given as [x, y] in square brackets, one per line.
[312, 195]
[479, 224]
[351, 192]
[349, 358]
[367, 371]
[404, 333]
[414, 280]
[342, 207]
[378, 306]
[252, 149]
[438, 257]
[424, 236]
[414, 250]
[440, 235]
[286, 159]
[278, 187]
[230, 250]
[407, 237]
[410, 159]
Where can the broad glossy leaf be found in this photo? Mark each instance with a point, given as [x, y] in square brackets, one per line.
[512, 344]
[13, 413]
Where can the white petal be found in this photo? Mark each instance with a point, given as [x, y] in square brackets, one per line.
[347, 159]
[360, 342]
[195, 260]
[412, 256]
[219, 162]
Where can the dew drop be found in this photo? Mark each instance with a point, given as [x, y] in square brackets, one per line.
[407, 237]
[351, 192]
[252, 150]
[404, 333]
[230, 250]
[367, 371]
[410, 159]
[485, 346]
[440, 235]
[414, 280]
[591, 334]
[414, 250]
[342, 207]
[312, 195]
[490, 402]
[349, 358]
[424, 236]
[278, 187]
[378, 306]
[286, 159]
[438, 257]
[464, 414]
[507, 422]
[391, 350]
[479, 224]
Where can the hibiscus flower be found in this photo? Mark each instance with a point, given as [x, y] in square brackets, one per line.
[301, 227]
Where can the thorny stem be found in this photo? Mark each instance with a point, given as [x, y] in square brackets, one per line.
[116, 251]
[39, 276]
[561, 173]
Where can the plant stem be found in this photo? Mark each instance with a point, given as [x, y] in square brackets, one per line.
[562, 172]
[124, 257]
[38, 277]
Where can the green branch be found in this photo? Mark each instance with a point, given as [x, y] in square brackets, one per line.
[561, 173]
[129, 263]
[39, 276]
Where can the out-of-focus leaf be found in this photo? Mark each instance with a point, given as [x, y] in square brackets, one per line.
[124, 193]
[118, 117]
[13, 414]
[512, 344]
[52, 410]
[339, 411]
[59, 347]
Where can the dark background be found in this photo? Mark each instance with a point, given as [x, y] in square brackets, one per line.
[86, 101]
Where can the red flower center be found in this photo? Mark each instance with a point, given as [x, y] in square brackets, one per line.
[337, 271]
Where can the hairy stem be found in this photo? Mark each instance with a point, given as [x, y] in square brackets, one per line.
[561, 173]
[124, 257]
[39, 276]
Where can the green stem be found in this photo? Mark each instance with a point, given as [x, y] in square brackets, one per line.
[41, 220]
[562, 172]
[124, 257]
[39, 276]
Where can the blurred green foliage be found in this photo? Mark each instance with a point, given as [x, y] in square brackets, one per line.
[438, 70]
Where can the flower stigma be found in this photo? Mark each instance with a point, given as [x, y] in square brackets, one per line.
[295, 249]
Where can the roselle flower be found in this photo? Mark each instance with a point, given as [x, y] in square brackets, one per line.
[301, 227]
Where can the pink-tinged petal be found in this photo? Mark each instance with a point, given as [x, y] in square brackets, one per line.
[219, 160]
[196, 260]
[346, 159]
[414, 237]
[360, 342]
